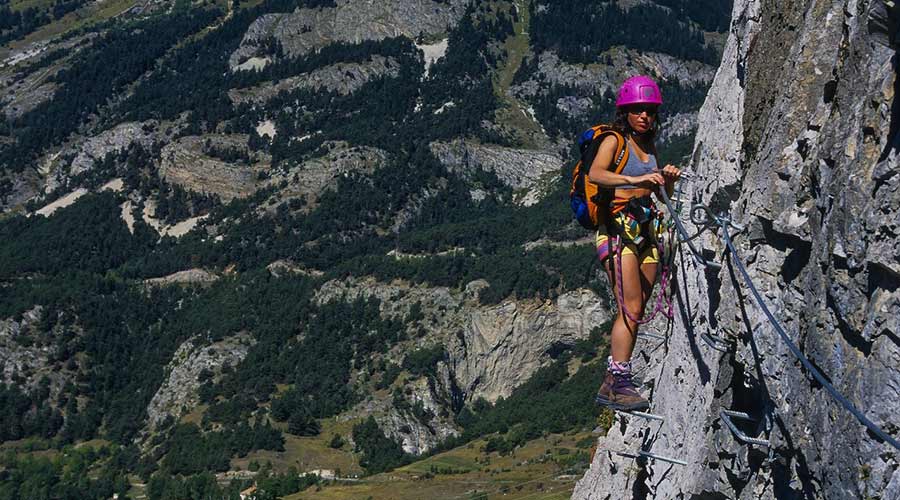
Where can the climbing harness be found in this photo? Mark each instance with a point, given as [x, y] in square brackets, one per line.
[629, 224]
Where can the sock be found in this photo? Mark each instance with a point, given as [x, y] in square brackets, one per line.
[618, 367]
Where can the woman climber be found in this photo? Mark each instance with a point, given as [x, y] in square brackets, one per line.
[629, 245]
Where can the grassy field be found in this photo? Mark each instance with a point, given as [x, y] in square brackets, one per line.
[511, 112]
[309, 453]
[90, 13]
[546, 468]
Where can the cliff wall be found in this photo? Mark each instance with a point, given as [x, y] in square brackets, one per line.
[797, 141]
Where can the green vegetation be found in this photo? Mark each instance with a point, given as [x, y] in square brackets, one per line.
[550, 401]
[15, 24]
[94, 76]
[89, 235]
[711, 15]
[27, 414]
[579, 31]
[423, 361]
[70, 474]
[192, 452]
[204, 485]
[544, 468]
[678, 98]
[270, 486]
[511, 111]
[379, 453]
[310, 358]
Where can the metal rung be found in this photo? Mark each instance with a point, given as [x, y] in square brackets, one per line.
[711, 264]
[647, 454]
[713, 342]
[727, 415]
[648, 416]
[739, 414]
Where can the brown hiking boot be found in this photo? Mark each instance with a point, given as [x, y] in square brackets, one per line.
[619, 393]
[605, 391]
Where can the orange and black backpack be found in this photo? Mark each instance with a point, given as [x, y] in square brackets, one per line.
[591, 203]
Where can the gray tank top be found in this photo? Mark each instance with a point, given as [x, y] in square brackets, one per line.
[634, 167]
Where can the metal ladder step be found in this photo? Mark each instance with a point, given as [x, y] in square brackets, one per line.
[715, 342]
[641, 414]
[647, 454]
[727, 415]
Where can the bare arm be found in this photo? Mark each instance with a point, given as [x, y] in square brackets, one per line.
[601, 174]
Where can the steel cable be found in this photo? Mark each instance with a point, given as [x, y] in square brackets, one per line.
[878, 431]
[685, 237]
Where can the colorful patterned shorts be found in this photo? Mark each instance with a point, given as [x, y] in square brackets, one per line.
[647, 253]
[640, 226]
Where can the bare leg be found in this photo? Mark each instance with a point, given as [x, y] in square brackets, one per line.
[624, 331]
[648, 281]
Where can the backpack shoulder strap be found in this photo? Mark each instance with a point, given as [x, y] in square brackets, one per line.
[621, 157]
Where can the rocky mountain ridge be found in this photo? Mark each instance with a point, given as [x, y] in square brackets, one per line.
[200, 236]
[308, 29]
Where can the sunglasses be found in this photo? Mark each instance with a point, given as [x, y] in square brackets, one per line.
[637, 110]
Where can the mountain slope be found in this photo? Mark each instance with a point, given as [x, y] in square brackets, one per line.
[232, 233]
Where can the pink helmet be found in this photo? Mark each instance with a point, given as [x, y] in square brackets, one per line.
[638, 90]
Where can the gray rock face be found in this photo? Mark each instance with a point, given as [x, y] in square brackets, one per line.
[343, 78]
[15, 190]
[599, 78]
[500, 347]
[313, 177]
[416, 435]
[22, 90]
[798, 141]
[677, 125]
[352, 22]
[178, 393]
[15, 358]
[28, 353]
[520, 169]
[80, 156]
[491, 349]
[189, 276]
[34, 91]
[184, 163]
